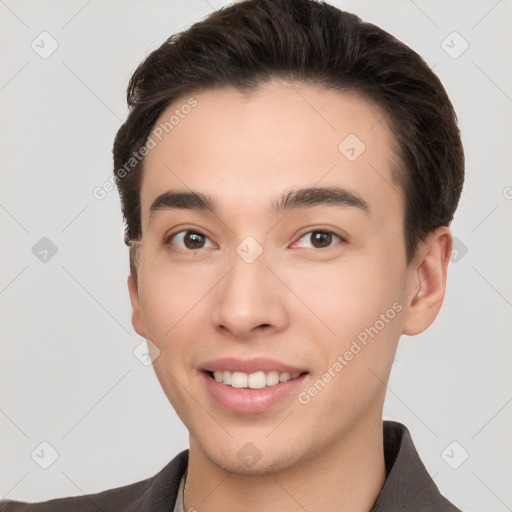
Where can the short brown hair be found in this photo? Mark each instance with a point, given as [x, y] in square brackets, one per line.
[251, 42]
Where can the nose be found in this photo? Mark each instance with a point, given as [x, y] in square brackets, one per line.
[250, 301]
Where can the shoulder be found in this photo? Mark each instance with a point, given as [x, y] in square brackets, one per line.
[139, 496]
[112, 499]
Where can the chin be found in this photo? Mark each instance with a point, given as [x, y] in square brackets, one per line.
[265, 461]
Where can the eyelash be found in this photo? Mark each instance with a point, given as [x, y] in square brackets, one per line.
[341, 239]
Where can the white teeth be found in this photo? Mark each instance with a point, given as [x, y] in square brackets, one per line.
[272, 378]
[256, 380]
[226, 377]
[239, 380]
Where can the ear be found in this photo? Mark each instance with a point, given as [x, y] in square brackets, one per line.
[427, 281]
[137, 320]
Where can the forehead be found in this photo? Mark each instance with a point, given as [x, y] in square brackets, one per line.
[245, 149]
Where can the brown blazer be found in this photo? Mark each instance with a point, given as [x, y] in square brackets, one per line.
[408, 487]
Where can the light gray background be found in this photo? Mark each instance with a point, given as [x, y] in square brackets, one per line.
[68, 373]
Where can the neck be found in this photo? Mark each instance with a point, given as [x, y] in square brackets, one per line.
[347, 476]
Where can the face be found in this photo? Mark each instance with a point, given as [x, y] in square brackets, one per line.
[272, 250]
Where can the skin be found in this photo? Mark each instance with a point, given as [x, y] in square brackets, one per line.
[296, 303]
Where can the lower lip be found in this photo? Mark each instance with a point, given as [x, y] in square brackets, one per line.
[250, 401]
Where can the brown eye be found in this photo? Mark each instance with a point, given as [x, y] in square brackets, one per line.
[318, 239]
[321, 239]
[193, 240]
[190, 240]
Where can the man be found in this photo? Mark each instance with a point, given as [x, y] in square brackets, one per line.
[288, 174]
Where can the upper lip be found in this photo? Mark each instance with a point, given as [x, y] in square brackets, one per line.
[232, 364]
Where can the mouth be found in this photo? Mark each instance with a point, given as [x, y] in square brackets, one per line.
[251, 386]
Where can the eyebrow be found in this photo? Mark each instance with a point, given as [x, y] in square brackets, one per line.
[290, 200]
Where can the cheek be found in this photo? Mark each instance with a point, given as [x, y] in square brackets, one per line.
[355, 341]
[171, 306]
[348, 297]
[170, 297]
[359, 306]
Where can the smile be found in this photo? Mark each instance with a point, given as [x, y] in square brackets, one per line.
[250, 386]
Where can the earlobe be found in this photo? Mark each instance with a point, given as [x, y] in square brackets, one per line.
[137, 319]
[427, 282]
